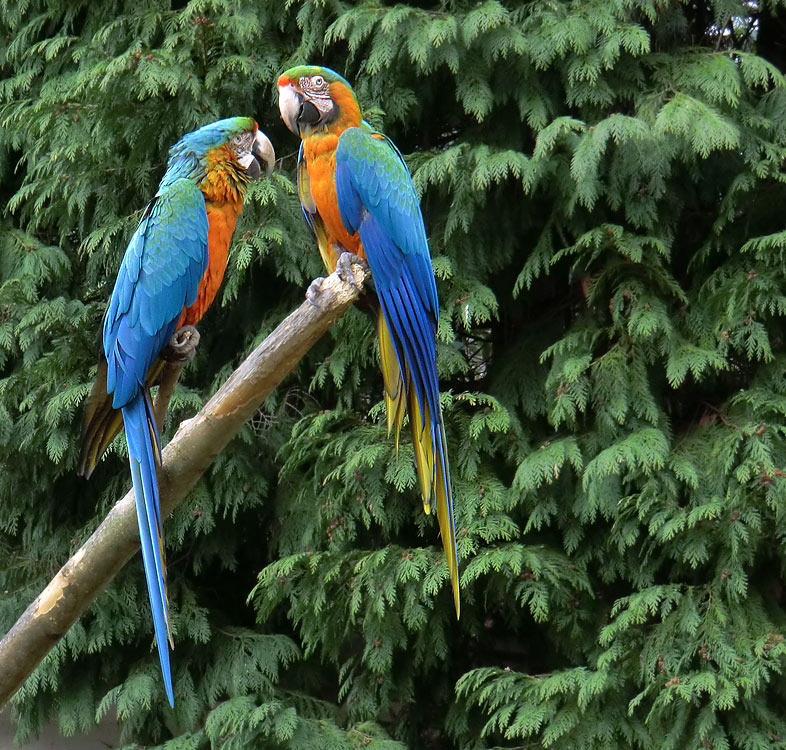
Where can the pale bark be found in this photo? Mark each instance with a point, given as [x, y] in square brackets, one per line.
[194, 447]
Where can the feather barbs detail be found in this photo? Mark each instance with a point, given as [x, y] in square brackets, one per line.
[225, 179]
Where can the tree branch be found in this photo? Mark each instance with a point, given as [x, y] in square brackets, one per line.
[194, 447]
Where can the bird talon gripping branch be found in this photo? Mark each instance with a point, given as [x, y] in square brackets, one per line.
[345, 268]
[182, 346]
[315, 290]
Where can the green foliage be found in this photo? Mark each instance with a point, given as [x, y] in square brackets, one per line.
[603, 188]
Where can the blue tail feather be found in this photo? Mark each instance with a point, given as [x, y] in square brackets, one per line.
[139, 424]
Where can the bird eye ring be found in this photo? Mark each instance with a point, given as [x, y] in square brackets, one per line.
[318, 81]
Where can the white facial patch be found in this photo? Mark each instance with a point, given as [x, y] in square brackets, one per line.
[242, 142]
[246, 159]
[323, 103]
[317, 90]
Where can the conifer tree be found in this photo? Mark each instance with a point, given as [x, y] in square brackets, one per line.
[604, 189]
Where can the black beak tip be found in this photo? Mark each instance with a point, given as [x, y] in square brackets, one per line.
[254, 170]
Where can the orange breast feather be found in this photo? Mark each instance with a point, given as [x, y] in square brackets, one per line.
[221, 225]
[320, 155]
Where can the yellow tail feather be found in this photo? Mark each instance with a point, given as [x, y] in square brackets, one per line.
[424, 452]
[446, 528]
[395, 394]
[432, 473]
[153, 430]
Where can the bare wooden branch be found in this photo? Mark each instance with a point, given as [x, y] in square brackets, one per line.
[194, 447]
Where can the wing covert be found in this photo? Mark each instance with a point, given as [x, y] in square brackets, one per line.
[158, 277]
[372, 179]
[376, 198]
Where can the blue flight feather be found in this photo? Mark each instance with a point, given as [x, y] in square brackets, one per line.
[138, 421]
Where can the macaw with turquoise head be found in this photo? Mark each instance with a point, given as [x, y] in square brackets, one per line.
[172, 269]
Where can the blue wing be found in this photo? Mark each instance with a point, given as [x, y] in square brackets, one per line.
[159, 276]
[377, 199]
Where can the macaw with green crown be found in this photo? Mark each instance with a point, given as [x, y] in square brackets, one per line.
[357, 196]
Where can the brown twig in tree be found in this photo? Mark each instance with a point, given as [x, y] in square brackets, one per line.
[194, 447]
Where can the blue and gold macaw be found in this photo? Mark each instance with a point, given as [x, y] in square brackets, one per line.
[169, 276]
[357, 195]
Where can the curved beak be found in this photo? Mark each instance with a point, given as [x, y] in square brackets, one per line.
[261, 151]
[290, 102]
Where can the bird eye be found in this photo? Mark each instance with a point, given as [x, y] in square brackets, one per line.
[241, 142]
[318, 81]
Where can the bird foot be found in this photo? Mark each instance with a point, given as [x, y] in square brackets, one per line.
[345, 268]
[182, 346]
[314, 290]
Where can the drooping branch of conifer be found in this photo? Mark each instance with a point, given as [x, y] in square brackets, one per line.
[196, 444]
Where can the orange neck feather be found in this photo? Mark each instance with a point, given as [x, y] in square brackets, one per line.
[224, 182]
[224, 188]
[349, 111]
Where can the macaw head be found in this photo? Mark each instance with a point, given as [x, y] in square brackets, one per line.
[234, 146]
[312, 98]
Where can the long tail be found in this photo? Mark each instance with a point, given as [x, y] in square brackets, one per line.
[101, 422]
[143, 455]
[431, 450]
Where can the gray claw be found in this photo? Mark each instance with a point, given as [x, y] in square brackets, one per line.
[314, 290]
[182, 346]
[344, 267]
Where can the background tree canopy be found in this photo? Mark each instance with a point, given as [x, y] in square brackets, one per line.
[604, 187]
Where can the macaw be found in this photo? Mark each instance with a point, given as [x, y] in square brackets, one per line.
[357, 196]
[168, 278]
